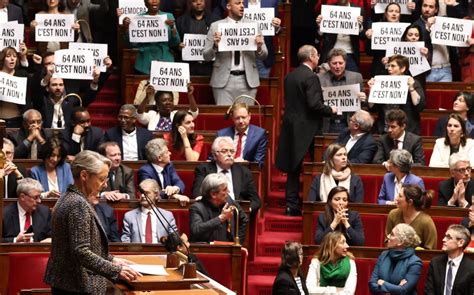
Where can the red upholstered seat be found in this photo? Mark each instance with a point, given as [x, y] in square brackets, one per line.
[203, 95]
[372, 185]
[439, 98]
[365, 266]
[432, 183]
[442, 223]
[26, 265]
[428, 126]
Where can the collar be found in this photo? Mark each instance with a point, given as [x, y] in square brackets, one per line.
[357, 136]
[145, 210]
[158, 168]
[246, 132]
[21, 211]
[219, 169]
[457, 260]
[334, 78]
[4, 9]
[402, 138]
[308, 66]
[231, 20]
[401, 180]
[133, 133]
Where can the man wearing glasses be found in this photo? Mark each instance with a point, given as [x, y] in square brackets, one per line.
[239, 179]
[27, 220]
[457, 191]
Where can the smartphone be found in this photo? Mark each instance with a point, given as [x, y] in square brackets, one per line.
[29, 230]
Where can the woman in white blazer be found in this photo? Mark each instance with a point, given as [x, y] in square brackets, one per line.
[455, 141]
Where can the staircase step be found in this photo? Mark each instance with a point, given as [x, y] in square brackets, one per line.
[264, 266]
[276, 199]
[260, 285]
[275, 221]
[270, 243]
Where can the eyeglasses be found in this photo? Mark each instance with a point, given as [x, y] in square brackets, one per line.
[448, 237]
[36, 198]
[226, 151]
[463, 170]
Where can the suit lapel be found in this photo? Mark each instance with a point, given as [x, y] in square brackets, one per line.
[249, 141]
[138, 221]
[15, 219]
[236, 177]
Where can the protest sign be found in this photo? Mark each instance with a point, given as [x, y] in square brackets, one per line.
[344, 97]
[339, 19]
[389, 90]
[54, 27]
[12, 89]
[130, 8]
[238, 36]
[11, 35]
[146, 29]
[99, 52]
[263, 17]
[418, 63]
[384, 33]
[382, 4]
[73, 64]
[169, 76]
[193, 47]
[451, 31]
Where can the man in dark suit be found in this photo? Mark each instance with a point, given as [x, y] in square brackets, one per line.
[14, 13]
[240, 181]
[18, 217]
[30, 136]
[453, 272]
[304, 110]
[211, 218]
[108, 221]
[10, 172]
[457, 191]
[130, 138]
[80, 135]
[250, 140]
[160, 168]
[398, 138]
[358, 140]
[121, 184]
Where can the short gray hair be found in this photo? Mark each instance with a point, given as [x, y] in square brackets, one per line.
[30, 111]
[129, 107]
[402, 159]
[153, 183]
[154, 149]
[364, 119]
[211, 184]
[218, 140]
[406, 235]
[458, 157]
[27, 185]
[90, 161]
[462, 233]
[305, 52]
[7, 141]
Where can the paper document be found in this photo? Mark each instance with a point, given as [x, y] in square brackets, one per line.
[149, 269]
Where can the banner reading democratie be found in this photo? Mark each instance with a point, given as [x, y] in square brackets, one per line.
[11, 35]
[451, 31]
[339, 19]
[238, 36]
[382, 4]
[193, 47]
[263, 17]
[131, 8]
[12, 89]
[384, 33]
[418, 63]
[169, 76]
[344, 98]
[73, 64]
[54, 27]
[147, 29]
[99, 52]
[389, 90]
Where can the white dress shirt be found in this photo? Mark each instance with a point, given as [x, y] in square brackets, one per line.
[159, 171]
[455, 267]
[4, 15]
[398, 186]
[352, 141]
[154, 221]
[57, 114]
[230, 186]
[22, 217]
[130, 145]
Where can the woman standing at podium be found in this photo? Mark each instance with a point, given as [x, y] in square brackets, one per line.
[79, 262]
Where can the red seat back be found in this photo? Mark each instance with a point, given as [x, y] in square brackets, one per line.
[440, 98]
[374, 229]
[26, 271]
[372, 185]
[442, 223]
[365, 266]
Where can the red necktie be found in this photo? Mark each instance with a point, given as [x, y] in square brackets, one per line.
[239, 145]
[27, 220]
[148, 231]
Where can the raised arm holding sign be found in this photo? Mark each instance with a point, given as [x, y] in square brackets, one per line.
[73, 64]
[169, 76]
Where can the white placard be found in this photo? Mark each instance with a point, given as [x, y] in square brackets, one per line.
[146, 29]
[169, 76]
[451, 31]
[344, 97]
[130, 8]
[389, 89]
[418, 63]
[339, 19]
[193, 47]
[384, 33]
[382, 4]
[54, 27]
[263, 17]
[11, 35]
[99, 52]
[12, 89]
[239, 36]
[73, 64]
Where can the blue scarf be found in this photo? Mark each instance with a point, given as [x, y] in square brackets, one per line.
[394, 265]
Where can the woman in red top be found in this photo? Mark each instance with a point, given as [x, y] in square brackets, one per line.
[182, 142]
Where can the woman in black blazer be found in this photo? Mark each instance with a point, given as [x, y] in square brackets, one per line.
[290, 279]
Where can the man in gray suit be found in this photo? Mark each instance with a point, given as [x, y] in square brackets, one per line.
[339, 76]
[235, 72]
[141, 225]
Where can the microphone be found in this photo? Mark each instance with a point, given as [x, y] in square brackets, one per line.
[174, 239]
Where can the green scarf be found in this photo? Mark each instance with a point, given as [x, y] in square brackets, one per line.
[335, 274]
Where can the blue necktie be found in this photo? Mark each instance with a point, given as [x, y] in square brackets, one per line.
[449, 278]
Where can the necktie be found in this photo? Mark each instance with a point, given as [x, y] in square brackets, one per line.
[395, 144]
[148, 231]
[27, 220]
[236, 58]
[112, 180]
[34, 150]
[449, 278]
[239, 145]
